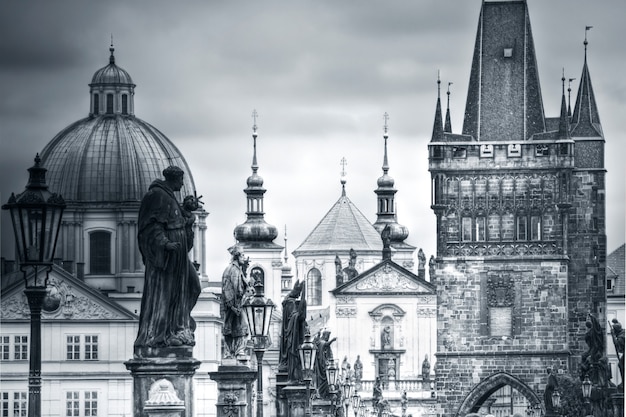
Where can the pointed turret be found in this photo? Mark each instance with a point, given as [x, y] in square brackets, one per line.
[386, 214]
[447, 128]
[586, 119]
[504, 96]
[564, 118]
[438, 124]
[255, 232]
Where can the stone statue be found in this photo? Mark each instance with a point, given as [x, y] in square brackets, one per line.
[344, 368]
[350, 271]
[617, 333]
[431, 268]
[595, 364]
[235, 288]
[322, 359]
[391, 369]
[377, 394]
[172, 286]
[338, 271]
[293, 330]
[426, 369]
[358, 370]
[386, 237]
[547, 394]
[385, 337]
[421, 259]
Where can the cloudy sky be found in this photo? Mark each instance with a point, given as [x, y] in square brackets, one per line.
[320, 74]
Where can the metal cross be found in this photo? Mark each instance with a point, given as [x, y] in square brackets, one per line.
[386, 119]
[344, 162]
[254, 117]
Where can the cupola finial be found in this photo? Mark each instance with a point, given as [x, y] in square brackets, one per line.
[569, 96]
[255, 166]
[343, 163]
[112, 49]
[385, 137]
[448, 123]
[585, 42]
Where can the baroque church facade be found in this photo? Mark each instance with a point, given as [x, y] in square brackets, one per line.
[521, 248]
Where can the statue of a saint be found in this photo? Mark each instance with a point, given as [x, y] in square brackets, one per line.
[235, 288]
[385, 337]
[431, 268]
[322, 359]
[171, 286]
[547, 394]
[377, 394]
[426, 368]
[338, 271]
[358, 369]
[617, 332]
[421, 259]
[293, 330]
[350, 271]
[594, 363]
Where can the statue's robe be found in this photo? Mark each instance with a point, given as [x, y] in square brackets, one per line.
[171, 286]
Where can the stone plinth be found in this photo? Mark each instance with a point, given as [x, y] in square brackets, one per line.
[618, 403]
[281, 400]
[173, 364]
[234, 390]
[296, 396]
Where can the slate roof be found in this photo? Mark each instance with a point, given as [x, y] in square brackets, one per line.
[615, 268]
[343, 228]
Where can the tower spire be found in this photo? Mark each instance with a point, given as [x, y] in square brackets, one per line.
[438, 124]
[586, 119]
[448, 126]
[564, 118]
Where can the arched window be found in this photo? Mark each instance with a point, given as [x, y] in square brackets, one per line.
[96, 104]
[257, 274]
[124, 104]
[314, 287]
[109, 103]
[100, 253]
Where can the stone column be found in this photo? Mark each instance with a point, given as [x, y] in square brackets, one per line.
[174, 364]
[234, 390]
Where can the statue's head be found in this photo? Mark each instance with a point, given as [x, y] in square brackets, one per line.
[174, 177]
[296, 290]
[236, 253]
[325, 335]
[616, 325]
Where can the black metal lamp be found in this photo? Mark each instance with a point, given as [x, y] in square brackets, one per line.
[346, 390]
[331, 375]
[556, 399]
[586, 388]
[307, 360]
[258, 314]
[356, 401]
[36, 215]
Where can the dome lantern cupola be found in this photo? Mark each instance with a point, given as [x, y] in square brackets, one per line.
[255, 230]
[112, 90]
[385, 192]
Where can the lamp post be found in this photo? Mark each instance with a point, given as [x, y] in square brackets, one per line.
[331, 377]
[556, 401]
[347, 393]
[36, 216]
[586, 388]
[307, 359]
[356, 402]
[258, 314]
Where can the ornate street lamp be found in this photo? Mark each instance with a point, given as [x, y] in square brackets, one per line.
[356, 401]
[258, 314]
[347, 393]
[36, 216]
[331, 376]
[385, 412]
[307, 359]
[556, 399]
[586, 388]
[362, 410]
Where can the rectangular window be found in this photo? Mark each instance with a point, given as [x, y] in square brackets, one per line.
[609, 284]
[91, 347]
[564, 148]
[124, 104]
[466, 229]
[91, 403]
[100, 252]
[459, 152]
[480, 229]
[542, 150]
[522, 228]
[96, 104]
[535, 228]
[73, 348]
[109, 103]
[437, 152]
[5, 404]
[72, 404]
[5, 345]
[21, 348]
[20, 402]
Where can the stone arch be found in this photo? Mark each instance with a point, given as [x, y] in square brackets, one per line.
[481, 392]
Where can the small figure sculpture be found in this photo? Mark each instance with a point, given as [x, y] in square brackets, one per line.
[431, 268]
[404, 401]
[421, 259]
[426, 369]
[391, 370]
[338, 271]
[595, 364]
[350, 271]
[322, 359]
[547, 394]
[617, 332]
[385, 337]
[358, 370]
[235, 287]
[344, 367]
[377, 395]
[294, 328]
[386, 237]
[172, 286]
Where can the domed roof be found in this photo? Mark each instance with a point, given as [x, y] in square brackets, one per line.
[110, 158]
[111, 74]
[385, 181]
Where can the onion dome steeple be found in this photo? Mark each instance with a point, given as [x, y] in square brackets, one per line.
[112, 90]
[386, 215]
[255, 232]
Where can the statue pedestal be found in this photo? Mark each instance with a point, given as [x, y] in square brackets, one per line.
[174, 364]
[234, 390]
[296, 396]
[618, 403]
[281, 399]
[322, 407]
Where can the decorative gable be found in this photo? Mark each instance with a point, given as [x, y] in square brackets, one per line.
[386, 278]
[67, 299]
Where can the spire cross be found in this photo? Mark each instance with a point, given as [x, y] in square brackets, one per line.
[286, 256]
[254, 117]
[111, 40]
[563, 80]
[343, 163]
[438, 85]
[386, 119]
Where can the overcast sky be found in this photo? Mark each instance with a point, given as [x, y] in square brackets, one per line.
[320, 75]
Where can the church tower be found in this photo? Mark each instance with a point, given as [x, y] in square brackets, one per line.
[256, 236]
[519, 201]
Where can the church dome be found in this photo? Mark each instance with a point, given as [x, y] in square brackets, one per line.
[385, 181]
[110, 156]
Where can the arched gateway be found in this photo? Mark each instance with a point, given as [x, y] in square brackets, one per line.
[481, 392]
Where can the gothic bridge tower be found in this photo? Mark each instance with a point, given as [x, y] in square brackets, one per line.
[519, 201]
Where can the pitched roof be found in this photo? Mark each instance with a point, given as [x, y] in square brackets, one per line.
[615, 267]
[586, 119]
[343, 228]
[504, 96]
